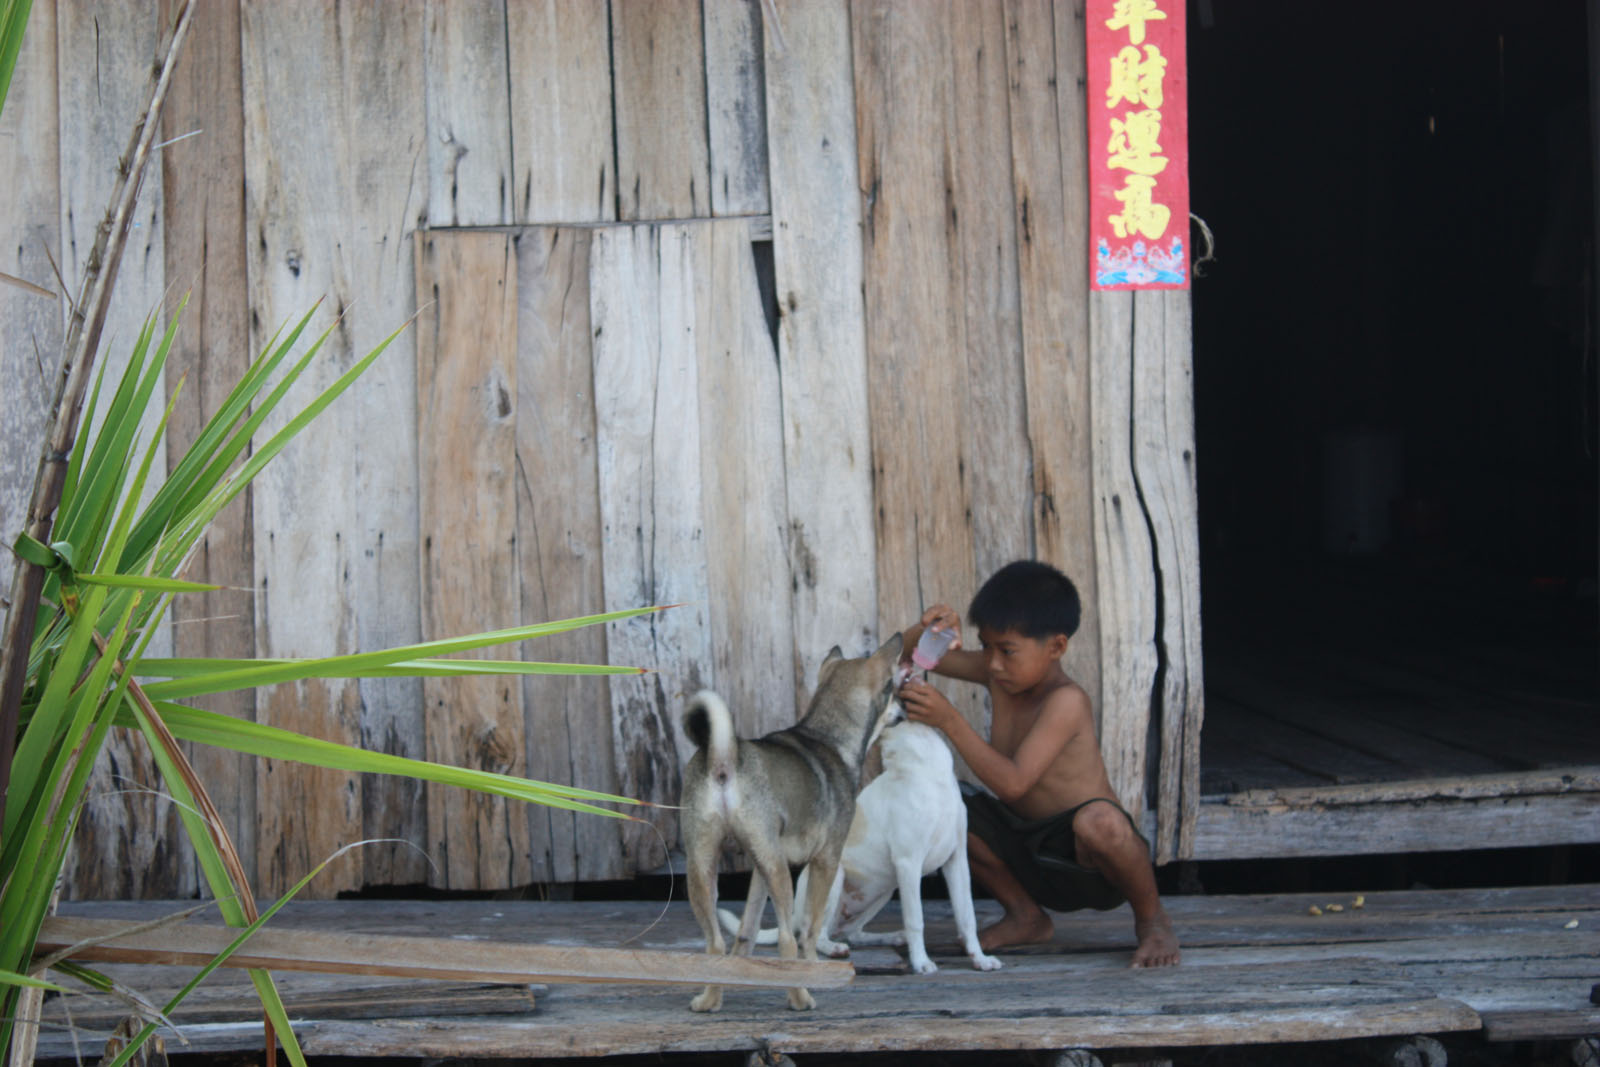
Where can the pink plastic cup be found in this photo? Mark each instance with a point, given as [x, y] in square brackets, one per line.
[931, 647]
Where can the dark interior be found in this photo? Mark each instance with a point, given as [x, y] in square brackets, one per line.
[1395, 389]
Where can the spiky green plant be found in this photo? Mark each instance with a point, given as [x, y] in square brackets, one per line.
[114, 567]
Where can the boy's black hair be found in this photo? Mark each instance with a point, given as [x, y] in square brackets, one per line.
[1030, 597]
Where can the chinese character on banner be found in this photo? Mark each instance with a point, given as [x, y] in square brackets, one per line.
[1138, 145]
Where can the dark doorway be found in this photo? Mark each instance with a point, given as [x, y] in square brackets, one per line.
[1395, 389]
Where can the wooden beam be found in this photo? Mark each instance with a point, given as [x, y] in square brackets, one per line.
[1468, 787]
[427, 957]
[1227, 831]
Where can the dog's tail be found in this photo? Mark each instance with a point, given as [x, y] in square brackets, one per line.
[709, 725]
[767, 935]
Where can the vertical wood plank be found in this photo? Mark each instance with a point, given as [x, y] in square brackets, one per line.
[1045, 54]
[561, 114]
[469, 122]
[663, 158]
[30, 236]
[466, 430]
[203, 178]
[559, 550]
[995, 423]
[128, 841]
[921, 492]
[1125, 581]
[647, 425]
[1163, 434]
[817, 249]
[735, 107]
[334, 183]
[746, 516]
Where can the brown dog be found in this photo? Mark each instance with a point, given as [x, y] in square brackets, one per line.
[787, 798]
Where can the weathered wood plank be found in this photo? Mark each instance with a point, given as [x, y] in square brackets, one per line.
[466, 431]
[746, 517]
[735, 107]
[648, 430]
[1164, 463]
[1470, 787]
[128, 839]
[816, 212]
[559, 550]
[468, 113]
[663, 157]
[426, 957]
[1045, 55]
[30, 236]
[334, 182]
[995, 420]
[203, 180]
[561, 114]
[1227, 831]
[922, 498]
[1125, 578]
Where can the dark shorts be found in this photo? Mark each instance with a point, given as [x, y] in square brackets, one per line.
[1042, 853]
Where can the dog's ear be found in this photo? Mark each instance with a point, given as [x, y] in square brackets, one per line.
[890, 649]
[828, 662]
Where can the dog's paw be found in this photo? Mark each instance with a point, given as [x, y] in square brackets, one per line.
[801, 999]
[982, 962]
[836, 949]
[709, 999]
[923, 965]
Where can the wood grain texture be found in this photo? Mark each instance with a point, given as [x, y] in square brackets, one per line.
[466, 431]
[1162, 417]
[746, 512]
[560, 550]
[1045, 54]
[1230, 831]
[816, 211]
[335, 181]
[203, 179]
[429, 957]
[30, 237]
[643, 319]
[128, 839]
[995, 420]
[469, 123]
[907, 144]
[1125, 578]
[736, 124]
[658, 77]
[561, 114]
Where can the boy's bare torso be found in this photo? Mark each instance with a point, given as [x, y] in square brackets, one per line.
[1077, 774]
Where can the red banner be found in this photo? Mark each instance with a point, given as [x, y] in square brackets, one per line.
[1138, 145]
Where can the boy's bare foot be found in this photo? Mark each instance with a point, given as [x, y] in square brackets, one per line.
[1158, 943]
[1028, 929]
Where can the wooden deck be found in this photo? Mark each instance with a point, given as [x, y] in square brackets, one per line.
[1515, 964]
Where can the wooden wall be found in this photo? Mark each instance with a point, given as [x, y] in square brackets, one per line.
[787, 324]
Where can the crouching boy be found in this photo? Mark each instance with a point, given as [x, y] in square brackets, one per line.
[1052, 835]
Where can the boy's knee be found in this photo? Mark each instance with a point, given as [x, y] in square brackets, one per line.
[1101, 827]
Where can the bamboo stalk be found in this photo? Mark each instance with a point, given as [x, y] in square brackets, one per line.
[83, 339]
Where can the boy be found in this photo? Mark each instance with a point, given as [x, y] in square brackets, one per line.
[1056, 835]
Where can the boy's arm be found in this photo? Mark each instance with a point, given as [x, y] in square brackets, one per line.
[958, 662]
[1008, 777]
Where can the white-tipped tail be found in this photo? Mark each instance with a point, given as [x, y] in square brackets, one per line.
[709, 724]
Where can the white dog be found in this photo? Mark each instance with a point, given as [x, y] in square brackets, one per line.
[909, 822]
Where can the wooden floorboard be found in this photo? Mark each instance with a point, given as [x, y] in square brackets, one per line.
[1256, 969]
